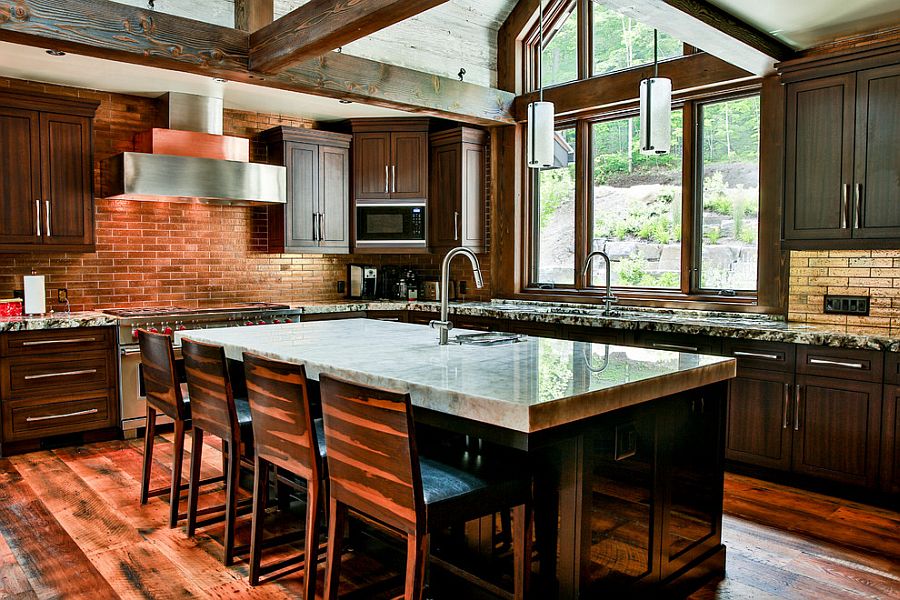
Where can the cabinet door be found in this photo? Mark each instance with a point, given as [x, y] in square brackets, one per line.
[819, 158]
[371, 168]
[302, 161]
[409, 164]
[759, 423]
[20, 183]
[836, 426]
[444, 204]
[890, 440]
[472, 218]
[334, 198]
[876, 193]
[66, 179]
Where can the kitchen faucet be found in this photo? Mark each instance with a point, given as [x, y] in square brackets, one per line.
[444, 323]
[609, 298]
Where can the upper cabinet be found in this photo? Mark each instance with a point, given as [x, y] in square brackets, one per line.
[316, 218]
[458, 189]
[46, 166]
[390, 159]
[842, 186]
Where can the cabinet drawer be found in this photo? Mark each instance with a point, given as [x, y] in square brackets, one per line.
[599, 335]
[892, 368]
[29, 419]
[423, 317]
[34, 376]
[679, 343]
[860, 365]
[477, 323]
[772, 356]
[30, 343]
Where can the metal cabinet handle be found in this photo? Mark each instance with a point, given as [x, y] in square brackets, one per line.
[61, 374]
[845, 204]
[756, 355]
[393, 178]
[836, 363]
[68, 341]
[37, 218]
[387, 179]
[785, 419]
[675, 347]
[858, 202]
[797, 407]
[388, 318]
[129, 351]
[321, 227]
[47, 216]
[455, 226]
[90, 411]
[315, 225]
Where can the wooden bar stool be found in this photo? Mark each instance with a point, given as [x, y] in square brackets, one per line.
[287, 437]
[216, 411]
[164, 394]
[374, 468]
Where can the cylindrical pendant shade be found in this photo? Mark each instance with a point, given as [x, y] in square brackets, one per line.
[656, 117]
[540, 138]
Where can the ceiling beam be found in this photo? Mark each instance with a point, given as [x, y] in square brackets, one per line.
[705, 26]
[692, 72]
[320, 26]
[250, 15]
[123, 33]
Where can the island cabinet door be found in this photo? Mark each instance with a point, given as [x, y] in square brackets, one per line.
[836, 428]
[759, 418]
[890, 440]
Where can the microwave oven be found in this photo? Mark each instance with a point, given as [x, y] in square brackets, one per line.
[391, 224]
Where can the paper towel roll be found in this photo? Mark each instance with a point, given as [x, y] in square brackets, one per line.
[35, 294]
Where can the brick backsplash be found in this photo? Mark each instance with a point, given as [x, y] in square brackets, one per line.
[874, 273]
[151, 253]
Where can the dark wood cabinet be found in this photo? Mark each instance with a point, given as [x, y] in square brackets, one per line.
[390, 159]
[759, 418]
[675, 342]
[316, 217]
[890, 440]
[409, 164]
[46, 165]
[456, 205]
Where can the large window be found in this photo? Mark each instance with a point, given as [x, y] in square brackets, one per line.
[555, 215]
[619, 42]
[559, 59]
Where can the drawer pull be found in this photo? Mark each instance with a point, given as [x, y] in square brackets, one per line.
[80, 413]
[836, 363]
[756, 355]
[675, 347]
[389, 318]
[85, 340]
[61, 374]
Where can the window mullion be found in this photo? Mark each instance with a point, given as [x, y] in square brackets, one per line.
[689, 230]
[584, 44]
[582, 200]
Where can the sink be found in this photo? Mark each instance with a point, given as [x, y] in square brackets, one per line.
[491, 338]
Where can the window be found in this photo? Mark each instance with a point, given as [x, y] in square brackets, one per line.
[619, 42]
[559, 58]
[554, 223]
[729, 171]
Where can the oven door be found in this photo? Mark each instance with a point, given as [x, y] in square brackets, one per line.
[133, 403]
[390, 224]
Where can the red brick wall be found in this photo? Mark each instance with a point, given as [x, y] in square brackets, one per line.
[151, 253]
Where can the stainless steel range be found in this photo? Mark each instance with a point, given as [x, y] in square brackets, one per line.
[169, 319]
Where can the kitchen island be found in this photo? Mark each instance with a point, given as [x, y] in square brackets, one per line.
[626, 444]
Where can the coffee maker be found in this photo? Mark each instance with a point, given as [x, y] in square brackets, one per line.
[362, 282]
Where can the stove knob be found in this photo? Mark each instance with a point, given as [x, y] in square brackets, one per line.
[276, 321]
[134, 333]
[167, 331]
[260, 322]
[181, 328]
[249, 323]
[288, 320]
[153, 330]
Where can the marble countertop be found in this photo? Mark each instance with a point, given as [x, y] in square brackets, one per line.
[692, 322]
[528, 386]
[59, 320]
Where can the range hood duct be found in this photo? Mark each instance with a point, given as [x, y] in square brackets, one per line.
[189, 160]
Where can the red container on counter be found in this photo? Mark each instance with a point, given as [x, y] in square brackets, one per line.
[11, 308]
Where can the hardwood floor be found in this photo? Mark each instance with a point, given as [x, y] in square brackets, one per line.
[71, 526]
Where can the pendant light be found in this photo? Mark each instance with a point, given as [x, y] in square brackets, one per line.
[540, 138]
[656, 107]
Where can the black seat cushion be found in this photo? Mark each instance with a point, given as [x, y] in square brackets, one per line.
[320, 436]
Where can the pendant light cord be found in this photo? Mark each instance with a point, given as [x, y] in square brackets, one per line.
[541, 51]
[655, 55]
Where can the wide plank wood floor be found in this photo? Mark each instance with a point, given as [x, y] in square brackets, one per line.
[71, 527]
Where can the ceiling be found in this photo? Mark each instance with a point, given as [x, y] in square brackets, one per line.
[806, 23]
[34, 64]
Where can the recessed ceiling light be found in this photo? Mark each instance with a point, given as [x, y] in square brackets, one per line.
[56, 53]
[345, 101]
[220, 80]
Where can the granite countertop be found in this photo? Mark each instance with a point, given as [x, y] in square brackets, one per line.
[59, 320]
[692, 322]
[535, 384]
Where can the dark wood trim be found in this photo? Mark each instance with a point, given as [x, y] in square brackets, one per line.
[250, 15]
[773, 261]
[510, 55]
[868, 46]
[605, 91]
[114, 31]
[690, 244]
[320, 26]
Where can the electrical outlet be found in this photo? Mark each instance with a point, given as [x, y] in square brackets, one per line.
[847, 305]
[62, 295]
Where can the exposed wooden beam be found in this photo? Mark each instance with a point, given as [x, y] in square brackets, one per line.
[250, 15]
[705, 26]
[320, 26]
[129, 34]
[510, 55]
[687, 73]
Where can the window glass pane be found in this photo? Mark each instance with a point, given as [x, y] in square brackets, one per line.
[555, 215]
[730, 171]
[636, 206]
[621, 42]
[559, 60]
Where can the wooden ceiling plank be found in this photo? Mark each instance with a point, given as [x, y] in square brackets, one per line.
[250, 15]
[705, 26]
[123, 33]
[320, 26]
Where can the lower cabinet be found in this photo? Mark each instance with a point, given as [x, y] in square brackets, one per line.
[759, 418]
[890, 440]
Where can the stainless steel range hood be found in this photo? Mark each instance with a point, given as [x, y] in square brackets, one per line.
[191, 161]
